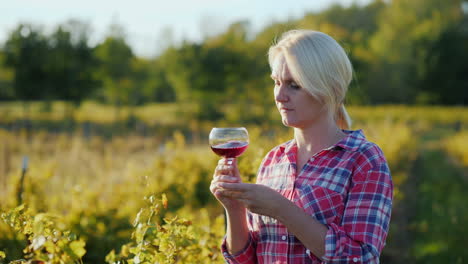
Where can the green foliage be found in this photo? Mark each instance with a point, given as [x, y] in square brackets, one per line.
[447, 84]
[6, 80]
[455, 146]
[406, 30]
[103, 230]
[196, 76]
[25, 51]
[224, 69]
[95, 186]
[48, 241]
[438, 225]
[151, 77]
[70, 63]
[171, 240]
[116, 56]
[59, 66]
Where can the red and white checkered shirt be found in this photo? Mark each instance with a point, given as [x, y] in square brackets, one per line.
[346, 187]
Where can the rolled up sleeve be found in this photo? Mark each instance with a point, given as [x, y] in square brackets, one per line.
[361, 235]
[245, 256]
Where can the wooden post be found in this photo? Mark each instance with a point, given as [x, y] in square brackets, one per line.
[5, 165]
[24, 168]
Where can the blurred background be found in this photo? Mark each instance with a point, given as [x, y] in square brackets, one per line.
[106, 106]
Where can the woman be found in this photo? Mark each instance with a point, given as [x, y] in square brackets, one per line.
[324, 196]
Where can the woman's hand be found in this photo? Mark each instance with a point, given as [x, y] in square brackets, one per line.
[226, 172]
[258, 198]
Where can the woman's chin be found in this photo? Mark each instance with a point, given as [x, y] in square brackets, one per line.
[288, 123]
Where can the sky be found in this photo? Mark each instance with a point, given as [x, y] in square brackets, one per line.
[145, 22]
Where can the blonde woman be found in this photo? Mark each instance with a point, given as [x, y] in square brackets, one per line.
[326, 195]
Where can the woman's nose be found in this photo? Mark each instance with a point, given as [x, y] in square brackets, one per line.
[280, 93]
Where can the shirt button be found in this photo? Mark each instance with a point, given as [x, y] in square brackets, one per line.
[283, 237]
[308, 252]
[355, 259]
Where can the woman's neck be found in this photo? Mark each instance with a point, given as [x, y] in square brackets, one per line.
[317, 137]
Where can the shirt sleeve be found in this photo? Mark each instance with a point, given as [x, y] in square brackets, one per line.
[248, 254]
[361, 236]
[245, 256]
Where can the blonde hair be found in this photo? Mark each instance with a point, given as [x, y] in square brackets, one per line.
[320, 65]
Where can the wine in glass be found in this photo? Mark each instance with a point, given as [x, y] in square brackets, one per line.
[229, 142]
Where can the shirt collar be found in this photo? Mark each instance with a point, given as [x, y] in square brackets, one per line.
[352, 142]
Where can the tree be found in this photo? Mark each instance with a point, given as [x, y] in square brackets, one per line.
[195, 80]
[406, 29]
[212, 74]
[25, 53]
[246, 73]
[71, 63]
[355, 18]
[115, 57]
[6, 81]
[446, 78]
[156, 86]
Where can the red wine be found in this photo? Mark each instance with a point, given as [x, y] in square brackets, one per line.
[230, 149]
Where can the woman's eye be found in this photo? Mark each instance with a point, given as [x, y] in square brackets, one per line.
[294, 86]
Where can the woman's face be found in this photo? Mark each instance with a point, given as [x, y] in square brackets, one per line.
[297, 107]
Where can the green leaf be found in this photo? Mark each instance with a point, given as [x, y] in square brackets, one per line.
[78, 248]
[110, 258]
[50, 247]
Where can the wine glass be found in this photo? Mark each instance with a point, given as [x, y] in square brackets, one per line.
[229, 142]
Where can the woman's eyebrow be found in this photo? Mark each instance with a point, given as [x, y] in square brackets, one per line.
[285, 80]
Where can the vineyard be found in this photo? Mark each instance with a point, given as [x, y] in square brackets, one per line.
[143, 196]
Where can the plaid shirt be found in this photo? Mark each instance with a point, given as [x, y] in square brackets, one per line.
[346, 187]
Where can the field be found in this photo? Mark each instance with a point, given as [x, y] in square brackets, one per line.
[136, 191]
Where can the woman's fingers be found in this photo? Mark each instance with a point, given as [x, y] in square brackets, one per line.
[227, 164]
[226, 178]
[226, 171]
[237, 186]
[222, 169]
[231, 194]
[227, 161]
[218, 180]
